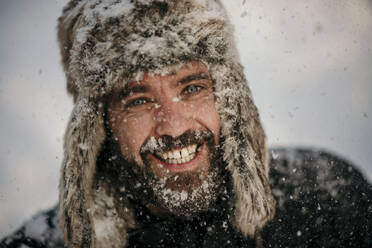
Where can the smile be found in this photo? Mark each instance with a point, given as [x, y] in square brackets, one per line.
[179, 156]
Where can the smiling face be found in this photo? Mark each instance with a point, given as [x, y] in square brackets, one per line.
[168, 126]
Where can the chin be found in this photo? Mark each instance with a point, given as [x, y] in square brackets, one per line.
[186, 193]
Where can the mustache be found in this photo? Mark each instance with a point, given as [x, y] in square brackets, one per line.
[165, 142]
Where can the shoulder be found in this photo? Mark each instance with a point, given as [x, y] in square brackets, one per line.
[41, 231]
[322, 201]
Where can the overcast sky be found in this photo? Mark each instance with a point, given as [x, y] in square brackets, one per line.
[308, 64]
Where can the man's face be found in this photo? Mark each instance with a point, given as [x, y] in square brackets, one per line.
[168, 126]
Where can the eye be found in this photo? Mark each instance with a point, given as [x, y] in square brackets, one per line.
[192, 89]
[137, 102]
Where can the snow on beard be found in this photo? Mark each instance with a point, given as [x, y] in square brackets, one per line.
[185, 193]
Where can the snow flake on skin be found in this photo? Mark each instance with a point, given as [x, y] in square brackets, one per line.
[152, 145]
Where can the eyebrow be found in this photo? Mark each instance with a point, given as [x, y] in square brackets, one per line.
[127, 91]
[193, 77]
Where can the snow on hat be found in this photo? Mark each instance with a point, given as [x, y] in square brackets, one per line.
[106, 43]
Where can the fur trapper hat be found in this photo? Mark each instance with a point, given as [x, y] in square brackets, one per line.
[104, 44]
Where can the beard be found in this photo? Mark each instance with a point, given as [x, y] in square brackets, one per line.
[183, 194]
[186, 194]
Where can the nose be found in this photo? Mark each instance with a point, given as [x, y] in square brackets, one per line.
[172, 119]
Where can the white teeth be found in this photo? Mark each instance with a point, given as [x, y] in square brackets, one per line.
[180, 155]
[177, 154]
[170, 155]
[184, 152]
[192, 148]
[164, 155]
[189, 149]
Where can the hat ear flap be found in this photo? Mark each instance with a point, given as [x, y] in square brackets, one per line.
[244, 149]
[83, 139]
[254, 203]
[86, 207]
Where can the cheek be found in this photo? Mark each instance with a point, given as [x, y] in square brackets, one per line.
[208, 116]
[213, 121]
[131, 133]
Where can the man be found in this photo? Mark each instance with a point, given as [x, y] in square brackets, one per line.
[165, 148]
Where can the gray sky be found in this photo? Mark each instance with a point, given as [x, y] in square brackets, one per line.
[307, 62]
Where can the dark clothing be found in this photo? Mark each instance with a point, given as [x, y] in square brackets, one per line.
[208, 230]
[322, 201]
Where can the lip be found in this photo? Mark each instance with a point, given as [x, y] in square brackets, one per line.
[188, 166]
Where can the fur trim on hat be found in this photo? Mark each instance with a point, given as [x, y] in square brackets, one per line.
[104, 44]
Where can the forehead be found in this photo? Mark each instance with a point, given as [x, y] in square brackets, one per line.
[173, 73]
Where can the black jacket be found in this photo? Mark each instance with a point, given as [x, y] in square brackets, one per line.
[322, 201]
